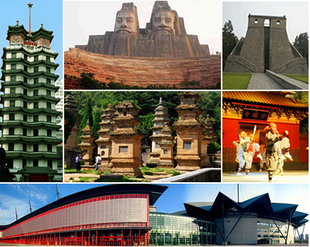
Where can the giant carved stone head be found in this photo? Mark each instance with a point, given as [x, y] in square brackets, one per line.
[126, 22]
[163, 19]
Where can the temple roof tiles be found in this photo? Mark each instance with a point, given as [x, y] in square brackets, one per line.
[269, 98]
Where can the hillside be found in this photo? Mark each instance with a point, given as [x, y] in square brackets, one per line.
[142, 71]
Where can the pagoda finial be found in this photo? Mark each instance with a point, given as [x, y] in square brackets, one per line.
[30, 6]
[160, 101]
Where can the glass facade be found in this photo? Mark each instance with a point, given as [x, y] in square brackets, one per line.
[180, 230]
[270, 233]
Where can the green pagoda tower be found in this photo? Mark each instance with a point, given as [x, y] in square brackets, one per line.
[28, 115]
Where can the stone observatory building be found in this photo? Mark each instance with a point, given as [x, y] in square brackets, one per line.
[266, 47]
[164, 35]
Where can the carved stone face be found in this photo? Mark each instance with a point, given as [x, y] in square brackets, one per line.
[126, 23]
[163, 21]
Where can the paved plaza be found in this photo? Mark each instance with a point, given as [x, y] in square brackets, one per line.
[289, 176]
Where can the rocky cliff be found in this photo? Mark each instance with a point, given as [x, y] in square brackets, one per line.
[142, 71]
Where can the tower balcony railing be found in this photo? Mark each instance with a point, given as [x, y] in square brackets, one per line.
[32, 50]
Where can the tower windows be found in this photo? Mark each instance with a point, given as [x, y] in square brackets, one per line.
[35, 163]
[11, 131]
[11, 146]
[123, 149]
[187, 145]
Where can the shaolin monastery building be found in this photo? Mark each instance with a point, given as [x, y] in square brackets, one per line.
[29, 115]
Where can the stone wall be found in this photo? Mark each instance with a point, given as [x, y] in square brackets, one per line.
[266, 46]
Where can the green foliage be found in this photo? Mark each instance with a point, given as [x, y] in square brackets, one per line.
[303, 78]
[190, 83]
[95, 127]
[87, 115]
[236, 80]
[230, 40]
[213, 148]
[145, 168]
[145, 128]
[87, 82]
[301, 43]
[175, 173]
[87, 179]
[210, 104]
[70, 122]
[71, 171]
[123, 179]
[147, 101]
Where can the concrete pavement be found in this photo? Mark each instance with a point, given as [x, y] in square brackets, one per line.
[262, 81]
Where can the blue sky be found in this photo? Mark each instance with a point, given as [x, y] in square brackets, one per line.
[17, 196]
[48, 12]
[84, 18]
[296, 13]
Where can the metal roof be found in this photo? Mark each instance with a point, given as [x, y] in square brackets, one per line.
[260, 205]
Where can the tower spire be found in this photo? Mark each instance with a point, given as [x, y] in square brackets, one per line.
[30, 208]
[30, 6]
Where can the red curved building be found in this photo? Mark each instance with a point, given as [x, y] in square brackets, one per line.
[109, 215]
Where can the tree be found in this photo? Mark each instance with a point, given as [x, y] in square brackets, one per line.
[230, 40]
[69, 123]
[301, 43]
[210, 104]
[87, 115]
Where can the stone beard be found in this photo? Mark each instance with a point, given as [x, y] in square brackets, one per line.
[126, 23]
[163, 22]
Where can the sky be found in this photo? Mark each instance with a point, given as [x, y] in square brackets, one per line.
[81, 19]
[296, 13]
[17, 196]
[48, 12]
